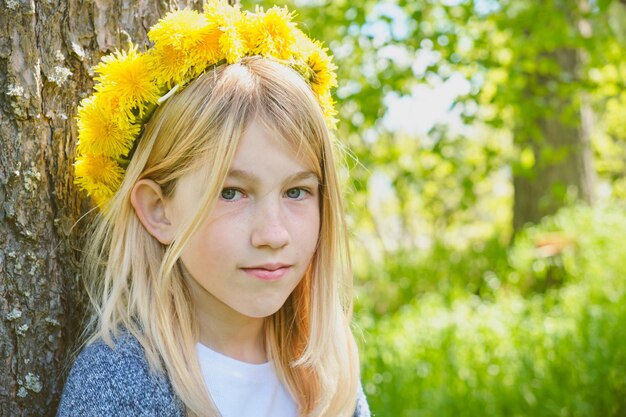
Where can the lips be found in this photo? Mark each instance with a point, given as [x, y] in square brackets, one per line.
[268, 272]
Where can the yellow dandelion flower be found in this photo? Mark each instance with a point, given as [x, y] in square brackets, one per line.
[186, 42]
[272, 33]
[249, 32]
[327, 103]
[304, 45]
[98, 175]
[103, 128]
[323, 70]
[192, 34]
[169, 65]
[232, 45]
[181, 29]
[231, 22]
[127, 75]
[211, 7]
[207, 51]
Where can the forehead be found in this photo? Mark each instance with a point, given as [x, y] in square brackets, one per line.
[264, 149]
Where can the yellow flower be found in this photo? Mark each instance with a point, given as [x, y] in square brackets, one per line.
[323, 70]
[181, 29]
[211, 7]
[272, 33]
[128, 76]
[99, 176]
[231, 22]
[176, 38]
[232, 45]
[170, 65]
[104, 128]
[327, 103]
[320, 70]
[208, 48]
[192, 35]
[304, 45]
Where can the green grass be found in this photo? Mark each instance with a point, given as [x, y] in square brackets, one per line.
[522, 349]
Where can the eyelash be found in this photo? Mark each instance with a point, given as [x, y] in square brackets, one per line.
[306, 191]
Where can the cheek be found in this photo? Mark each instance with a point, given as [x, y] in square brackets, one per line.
[309, 231]
[208, 248]
[198, 256]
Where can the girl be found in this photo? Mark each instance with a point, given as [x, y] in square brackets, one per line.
[219, 257]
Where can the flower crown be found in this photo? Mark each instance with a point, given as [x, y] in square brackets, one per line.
[131, 84]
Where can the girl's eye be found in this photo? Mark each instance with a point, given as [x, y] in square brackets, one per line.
[230, 194]
[296, 193]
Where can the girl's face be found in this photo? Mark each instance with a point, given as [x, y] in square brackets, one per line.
[258, 241]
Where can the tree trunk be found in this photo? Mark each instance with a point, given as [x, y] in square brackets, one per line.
[556, 134]
[47, 50]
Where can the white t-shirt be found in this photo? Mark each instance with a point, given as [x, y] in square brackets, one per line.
[241, 389]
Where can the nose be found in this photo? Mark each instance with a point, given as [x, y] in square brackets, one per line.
[269, 226]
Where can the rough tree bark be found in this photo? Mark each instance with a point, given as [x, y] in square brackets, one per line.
[47, 50]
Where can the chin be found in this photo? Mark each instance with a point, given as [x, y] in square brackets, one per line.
[261, 311]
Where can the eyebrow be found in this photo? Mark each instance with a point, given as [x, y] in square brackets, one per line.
[248, 176]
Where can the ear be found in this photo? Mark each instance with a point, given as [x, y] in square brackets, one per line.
[147, 199]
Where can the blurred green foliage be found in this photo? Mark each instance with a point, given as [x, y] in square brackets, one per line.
[525, 349]
[610, 143]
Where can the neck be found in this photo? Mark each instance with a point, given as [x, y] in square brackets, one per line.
[225, 330]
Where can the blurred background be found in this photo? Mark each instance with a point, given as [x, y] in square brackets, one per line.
[486, 182]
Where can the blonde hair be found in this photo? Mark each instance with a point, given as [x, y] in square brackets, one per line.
[138, 283]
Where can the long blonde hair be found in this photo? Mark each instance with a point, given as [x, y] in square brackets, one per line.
[137, 283]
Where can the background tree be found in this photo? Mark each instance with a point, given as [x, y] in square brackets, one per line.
[47, 50]
[544, 51]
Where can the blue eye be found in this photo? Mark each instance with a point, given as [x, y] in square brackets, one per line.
[230, 194]
[296, 193]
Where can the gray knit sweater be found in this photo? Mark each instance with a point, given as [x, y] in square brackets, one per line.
[118, 382]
